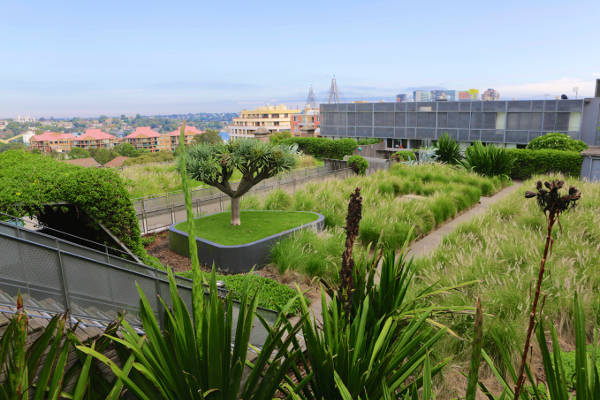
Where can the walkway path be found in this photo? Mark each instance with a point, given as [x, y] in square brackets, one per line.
[427, 244]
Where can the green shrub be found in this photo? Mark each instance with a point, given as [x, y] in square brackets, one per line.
[447, 150]
[278, 200]
[78, 152]
[557, 141]
[533, 162]
[278, 137]
[488, 160]
[28, 182]
[404, 155]
[358, 164]
[323, 147]
[367, 141]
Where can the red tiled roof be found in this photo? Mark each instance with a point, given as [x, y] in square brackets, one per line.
[142, 132]
[52, 136]
[189, 130]
[84, 162]
[116, 162]
[95, 134]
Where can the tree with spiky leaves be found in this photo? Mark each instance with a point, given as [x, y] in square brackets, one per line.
[214, 165]
[552, 203]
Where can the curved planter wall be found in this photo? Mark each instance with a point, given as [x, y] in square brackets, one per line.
[238, 258]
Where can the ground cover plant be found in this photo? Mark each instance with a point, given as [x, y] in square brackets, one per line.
[258, 225]
[442, 191]
[502, 249]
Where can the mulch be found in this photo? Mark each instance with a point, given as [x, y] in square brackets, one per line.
[159, 248]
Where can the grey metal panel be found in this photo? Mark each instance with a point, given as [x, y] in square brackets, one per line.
[384, 107]
[364, 119]
[447, 106]
[411, 119]
[400, 119]
[363, 131]
[550, 105]
[570, 105]
[494, 106]
[537, 105]
[463, 135]
[425, 133]
[411, 106]
[364, 107]
[476, 106]
[520, 105]
[492, 136]
[464, 106]
[595, 169]
[400, 106]
[383, 119]
[383, 132]
[351, 118]
[400, 133]
[474, 135]
[516, 137]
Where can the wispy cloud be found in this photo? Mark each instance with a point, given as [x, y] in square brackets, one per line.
[550, 88]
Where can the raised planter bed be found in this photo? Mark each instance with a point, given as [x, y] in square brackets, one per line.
[237, 258]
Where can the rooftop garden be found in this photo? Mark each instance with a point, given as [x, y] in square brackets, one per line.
[257, 225]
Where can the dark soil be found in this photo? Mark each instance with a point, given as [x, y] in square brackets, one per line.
[159, 248]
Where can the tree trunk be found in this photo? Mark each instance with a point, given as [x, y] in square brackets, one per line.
[235, 211]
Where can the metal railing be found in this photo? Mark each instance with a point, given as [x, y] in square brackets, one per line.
[158, 213]
[56, 276]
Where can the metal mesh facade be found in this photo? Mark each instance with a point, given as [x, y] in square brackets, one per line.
[56, 276]
[516, 122]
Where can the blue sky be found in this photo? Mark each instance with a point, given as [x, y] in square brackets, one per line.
[66, 58]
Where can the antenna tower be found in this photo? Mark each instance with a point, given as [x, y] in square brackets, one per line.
[311, 100]
[334, 95]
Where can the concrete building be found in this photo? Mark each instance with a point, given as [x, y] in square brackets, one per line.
[443, 95]
[490, 95]
[306, 123]
[52, 141]
[512, 123]
[401, 98]
[272, 118]
[144, 138]
[94, 139]
[464, 95]
[422, 95]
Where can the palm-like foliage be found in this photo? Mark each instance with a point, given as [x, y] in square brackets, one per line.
[447, 149]
[37, 370]
[488, 160]
[204, 358]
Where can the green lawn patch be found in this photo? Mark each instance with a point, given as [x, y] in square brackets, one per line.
[255, 225]
[271, 294]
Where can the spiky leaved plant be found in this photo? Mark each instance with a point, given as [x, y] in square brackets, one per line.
[552, 203]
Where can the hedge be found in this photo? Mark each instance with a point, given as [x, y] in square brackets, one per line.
[323, 147]
[29, 182]
[532, 162]
[358, 164]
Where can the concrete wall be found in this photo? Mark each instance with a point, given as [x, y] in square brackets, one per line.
[234, 259]
[590, 121]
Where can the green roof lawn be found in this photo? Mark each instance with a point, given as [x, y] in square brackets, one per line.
[255, 225]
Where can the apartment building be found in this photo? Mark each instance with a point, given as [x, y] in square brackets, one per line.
[52, 141]
[94, 139]
[272, 118]
[305, 123]
[190, 133]
[144, 138]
